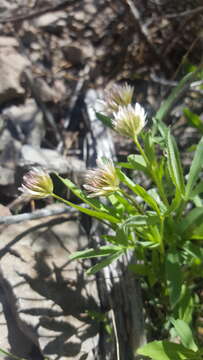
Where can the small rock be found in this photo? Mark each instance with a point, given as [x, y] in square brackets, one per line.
[12, 65]
[9, 153]
[7, 176]
[46, 92]
[7, 41]
[50, 160]
[74, 55]
[26, 122]
[52, 22]
[79, 15]
[90, 9]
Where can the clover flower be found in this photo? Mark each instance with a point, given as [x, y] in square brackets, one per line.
[118, 95]
[129, 120]
[103, 180]
[37, 184]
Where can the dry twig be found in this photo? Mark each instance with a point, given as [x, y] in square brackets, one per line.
[37, 13]
[38, 214]
[195, 11]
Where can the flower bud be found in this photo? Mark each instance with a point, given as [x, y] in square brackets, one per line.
[103, 180]
[129, 120]
[37, 184]
[118, 95]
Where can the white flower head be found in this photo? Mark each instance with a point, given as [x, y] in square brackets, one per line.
[117, 95]
[103, 180]
[37, 184]
[129, 120]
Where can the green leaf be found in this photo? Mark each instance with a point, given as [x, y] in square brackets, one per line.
[165, 350]
[91, 253]
[154, 194]
[139, 269]
[185, 334]
[107, 261]
[174, 164]
[120, 238]
[94, 203]
[197, 233]
[173, 277]
[137, 162]
[141, 220]
[105, 120]
[124, 165]
[186, 305]
[197, 190]
[149, 147]
[149, 244]
[121, 203]
[195, 168]
[97, 214]
[175, 203]
[168, 104]
[138, 190]
[194, 250]
[193, 119]
[163, 129]
[191, 222]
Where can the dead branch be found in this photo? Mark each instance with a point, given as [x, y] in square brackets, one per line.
[38, 214]
[37, 13]
[195, 11]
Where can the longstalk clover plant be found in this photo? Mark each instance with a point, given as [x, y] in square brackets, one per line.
[162, 223]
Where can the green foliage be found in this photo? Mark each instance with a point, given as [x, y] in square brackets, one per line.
[185, 334]
[160, 223]
[166, 350]
[193, 119]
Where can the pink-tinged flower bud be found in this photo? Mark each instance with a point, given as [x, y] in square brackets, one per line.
[118, 95]
[103, 180]
[129, 120]
[37, 184]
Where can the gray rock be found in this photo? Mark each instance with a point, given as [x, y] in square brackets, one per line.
[48, 294]
[7, 41]
[12, 65]
[53, 22]
[12, 339]
[46, 92]
[4, 342]
[7, 176]
[51, 160]
[74, 55]
[9, 152]
[26, 121]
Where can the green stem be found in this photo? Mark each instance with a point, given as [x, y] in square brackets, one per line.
[77, 207]
[10, 355]
[152, 172]
[137, 143]
[159, 185]
[162, 249]
[180, 209]
[133, 200]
